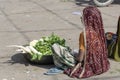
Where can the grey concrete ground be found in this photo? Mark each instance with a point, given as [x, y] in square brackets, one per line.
[24, 20]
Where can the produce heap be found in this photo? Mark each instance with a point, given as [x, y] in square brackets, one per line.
[43, 46]
[36, 49]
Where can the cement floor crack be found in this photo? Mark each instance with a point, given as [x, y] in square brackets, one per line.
[14, 25]
[52, 12]
[25, 31]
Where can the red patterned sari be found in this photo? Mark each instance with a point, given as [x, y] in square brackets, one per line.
[95, 60]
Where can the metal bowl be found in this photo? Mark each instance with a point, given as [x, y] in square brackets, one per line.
[45, 60]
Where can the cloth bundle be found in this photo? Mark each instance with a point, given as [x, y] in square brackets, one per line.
[62, 57]
[113, 42]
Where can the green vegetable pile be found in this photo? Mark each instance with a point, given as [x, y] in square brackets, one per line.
[38, 50]
[43, 46]
[45, 43]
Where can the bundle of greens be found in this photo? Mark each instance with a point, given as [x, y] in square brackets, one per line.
[43, 46]
[36, 49]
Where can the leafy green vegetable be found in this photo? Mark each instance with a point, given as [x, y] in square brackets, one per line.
[36, 49]
[39, 48]
[44, 44]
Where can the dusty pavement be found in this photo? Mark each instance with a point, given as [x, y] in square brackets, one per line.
[24, 20]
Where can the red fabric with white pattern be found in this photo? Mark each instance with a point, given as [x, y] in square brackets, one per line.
[96, 49]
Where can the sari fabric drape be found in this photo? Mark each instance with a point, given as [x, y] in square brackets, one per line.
[95, 60]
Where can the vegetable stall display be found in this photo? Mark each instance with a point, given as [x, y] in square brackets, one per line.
[36, 50]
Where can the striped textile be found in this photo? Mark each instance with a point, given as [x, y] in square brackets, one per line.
[62, 57]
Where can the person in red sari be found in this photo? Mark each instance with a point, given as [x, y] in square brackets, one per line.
[92, 58]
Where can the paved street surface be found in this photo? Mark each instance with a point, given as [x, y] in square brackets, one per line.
[24, 20]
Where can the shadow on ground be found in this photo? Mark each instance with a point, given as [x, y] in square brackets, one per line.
[84, 3]
[116, 2]
[20, 58]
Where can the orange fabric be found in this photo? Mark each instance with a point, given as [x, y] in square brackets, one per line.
[81, 42]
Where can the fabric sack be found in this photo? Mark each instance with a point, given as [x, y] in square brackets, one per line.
[62, 57]
[113, 42]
